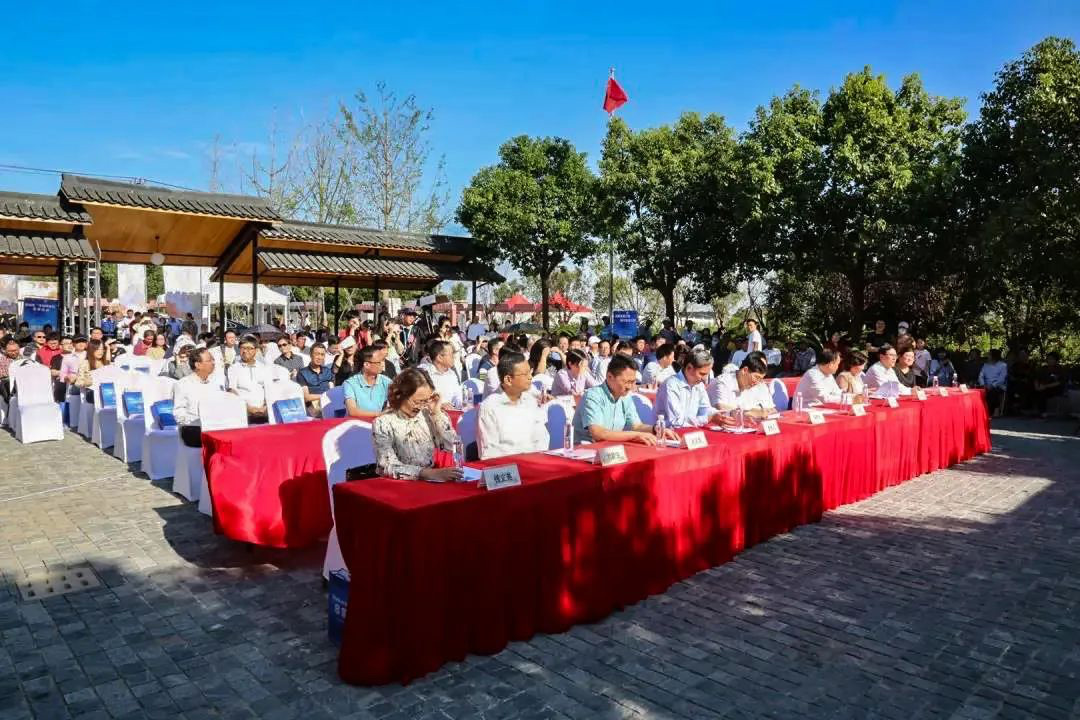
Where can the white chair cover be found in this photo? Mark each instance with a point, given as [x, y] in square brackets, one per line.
[645, 409]
[279, 373]
[218, 411]
[38, 416]
[543, 382]
[103, 421]
[467, 427]
[344, 446]
[557, 415]
[332, 401]
[472, 363]
[129, 430]
[779, 394]
[159, 447]
[74, 403]
[283, 390]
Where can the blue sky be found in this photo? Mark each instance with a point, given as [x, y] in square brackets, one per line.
[142, 90]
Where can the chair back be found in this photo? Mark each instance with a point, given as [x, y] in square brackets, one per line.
[157, 365]
[466, 430]
[779, 394]
[645, 409]
[222, 411]
[279, 373]
[106, 374]
[134, 384]
[332, 402]
[140, 364]
[472, 363]
[557, 417]
[282, 391]
[157, 389]
[543, 382]
[344, 447]
[34, 383]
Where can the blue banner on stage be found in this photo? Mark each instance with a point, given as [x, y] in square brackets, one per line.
[624, 323]
[39, 312]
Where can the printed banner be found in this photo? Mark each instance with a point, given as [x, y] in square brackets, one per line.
[131, 285]
[39, 312]
[624, 323]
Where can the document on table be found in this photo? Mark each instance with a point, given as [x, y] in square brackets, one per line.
[733, 430]
[471, 474]
[575, 454]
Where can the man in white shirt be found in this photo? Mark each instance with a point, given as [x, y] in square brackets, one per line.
[994, 376]
[682, 399]
[225, 355]
[188, 393]
[745, 388]
[660, 369]
[476, 329]
[511, 422]
[754, 341]
[818, 384]
[443, 375]
[598, 365]
[248, 379]
[881, 376]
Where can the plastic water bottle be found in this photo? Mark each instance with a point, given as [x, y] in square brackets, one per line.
[568, 437]
[459, 454]
[934, 382]
[659, 428]
[796, 403]
[740, 418]
[466, 397]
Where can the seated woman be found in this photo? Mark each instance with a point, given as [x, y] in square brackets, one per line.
[413, 427]
[574, 379]
[906, 372]
[95, 358]
[851, 369]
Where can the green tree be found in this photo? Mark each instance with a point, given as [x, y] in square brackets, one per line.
[504, 291]
[664, 199]
[458, 292]
[860, 187]
[1022, 186]
[534, 209]
[155, 281]
[571, 283]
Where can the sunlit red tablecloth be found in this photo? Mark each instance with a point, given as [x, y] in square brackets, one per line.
[440, 571]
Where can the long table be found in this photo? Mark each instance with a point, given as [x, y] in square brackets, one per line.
[440, 571]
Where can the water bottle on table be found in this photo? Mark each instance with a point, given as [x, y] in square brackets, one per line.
[466, 396]
[459, 454]
[797, 403]
[568, 437]
[659, 429]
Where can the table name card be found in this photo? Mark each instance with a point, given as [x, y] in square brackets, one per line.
[694, 440]
[920, 394]
[816, 417]
[944, 392]
[893, 402]
[771, 427]
[858, 410]
[614, 455]
[501, 476]
[963, 388]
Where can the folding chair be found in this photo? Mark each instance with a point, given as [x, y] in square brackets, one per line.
[38, 417]
[159, 442]
[645, 409]
[217, 411]
[283, 392]
[344, 447]
[130, 420]
[103, 422]
[332, 402]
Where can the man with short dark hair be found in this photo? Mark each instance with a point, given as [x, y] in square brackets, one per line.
[682, 398]
[315, 379]
[745, 388]
[661, 368]
[882, 374]
[994, 376]
[248, 379]
[818, 384]
[51, 349]
[443, 375]
[511, 422]
[366, 391]
[607, 412]
[288, 359]
[188, 394]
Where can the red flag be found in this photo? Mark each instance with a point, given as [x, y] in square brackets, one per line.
[614, 95]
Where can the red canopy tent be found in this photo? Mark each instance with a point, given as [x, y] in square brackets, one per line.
[559, 301]
[517, 303]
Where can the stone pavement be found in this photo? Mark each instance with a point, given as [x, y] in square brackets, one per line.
[955, 595]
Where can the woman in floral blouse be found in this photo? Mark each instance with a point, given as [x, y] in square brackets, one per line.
[414, 425]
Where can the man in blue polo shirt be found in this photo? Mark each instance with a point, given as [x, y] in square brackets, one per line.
[365, 392]
[315, 379]
[607, 412]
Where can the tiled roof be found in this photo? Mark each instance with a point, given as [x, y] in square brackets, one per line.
[367, 237]
[370, 266]
[58, 246]
[51, 208]
[111, 192]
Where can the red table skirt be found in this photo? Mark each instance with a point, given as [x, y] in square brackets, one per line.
[440, 571]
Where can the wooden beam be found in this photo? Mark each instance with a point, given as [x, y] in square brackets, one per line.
[235, 247]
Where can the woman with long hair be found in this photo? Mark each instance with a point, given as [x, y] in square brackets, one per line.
[160, 348]
[538, 356]
[347, 363]
[849, 379]
[95, 357]
[413, 427]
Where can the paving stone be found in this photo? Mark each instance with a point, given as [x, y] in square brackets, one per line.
[954, 595]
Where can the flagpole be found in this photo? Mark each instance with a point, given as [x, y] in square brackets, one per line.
[611, 247]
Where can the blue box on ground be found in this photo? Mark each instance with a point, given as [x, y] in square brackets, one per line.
[337, 605]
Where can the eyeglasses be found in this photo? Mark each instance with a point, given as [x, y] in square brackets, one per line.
[283, 345]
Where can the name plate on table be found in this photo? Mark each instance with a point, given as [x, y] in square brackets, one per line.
[893, 402]
[694, 440]
[816, 417]
[502, 476]
[920, 394]
[614, 455]
[858, 410]
[771, 427]
[963, 388]
[944, 392]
